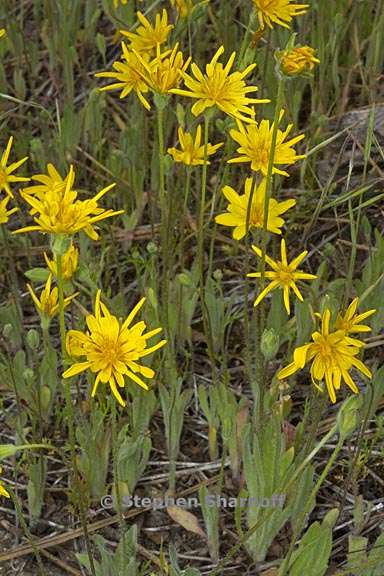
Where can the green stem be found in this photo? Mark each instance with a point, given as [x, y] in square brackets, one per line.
[70, 414]
[183, 219]
[200, 239]
[200, 249]
[247, 338]
[268, 194]
[115, 468]
[268, 180]
[164, 221]
[244, 42]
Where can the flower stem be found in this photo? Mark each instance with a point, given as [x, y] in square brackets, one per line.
[200, 239]
[268, 183]
[70, 415]
[164, 224]
[115, 468]
[268, 194]
[247, 336]
[183, 219]
[200, 248]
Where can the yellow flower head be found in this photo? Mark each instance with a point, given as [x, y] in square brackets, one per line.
[70, 262]
[236, 214]
[3, 491]
[148, 37]
[4, 213]
[48, 303]
[62, 213]
[219, 87]
[6, 176]
[279, 12]
[50, 182]
[298, 60]
[116, 2]
[112, 349]
[163, 73]
[129, 75]
[255, 142]
[350, 321]
[333, 355]
[192, 151]
[283, 275]
[3, 32]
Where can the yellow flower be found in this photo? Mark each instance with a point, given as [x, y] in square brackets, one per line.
[163, 72]
[283, 275]
[3, 32]
[3, 491]
[4, 213]
[6, 176]
[298, 60]
[333, 355]
[112, 349]
[148, 37]
[61, 213]
[350, 322]
[129, 75]
[236, 214]
[219, 87]
[50, 182]
[255, 147]
[192, 152]
[69, 262]
[116, 2]
[278, 11]
[48, 303]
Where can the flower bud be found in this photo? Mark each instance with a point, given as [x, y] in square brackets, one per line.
[28, 375]
[33, 339]
[8, 331]
[269, 343]
[218, 275]
[152, 248]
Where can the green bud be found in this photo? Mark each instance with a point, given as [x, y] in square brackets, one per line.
[152, 248]
[269, 343]
[348, 416]
[28, 375]
[33, 339]
[218, 275]
[185, 279]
